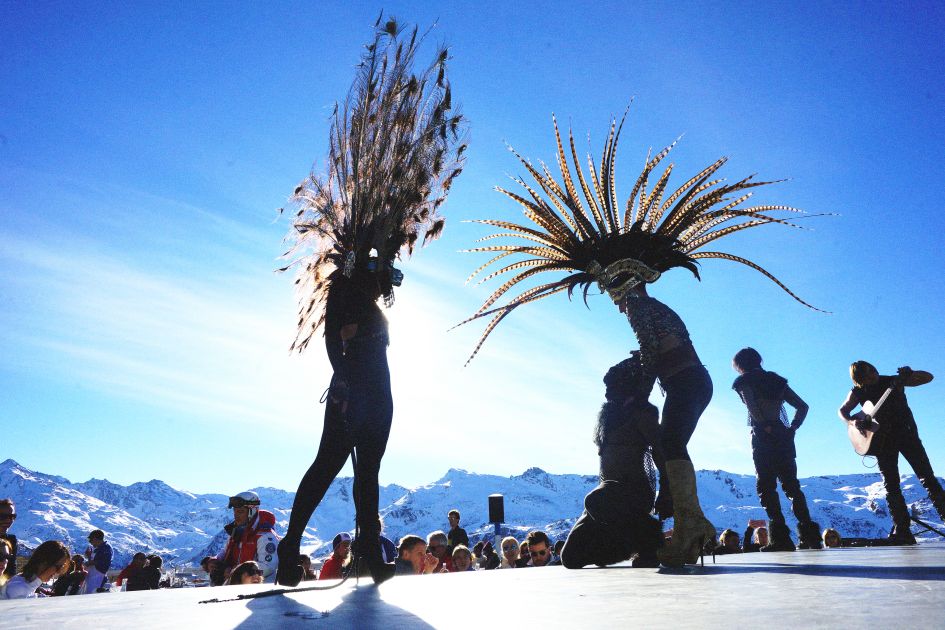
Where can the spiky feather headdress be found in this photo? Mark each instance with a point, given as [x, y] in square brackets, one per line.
[593, 243]
[394, 152]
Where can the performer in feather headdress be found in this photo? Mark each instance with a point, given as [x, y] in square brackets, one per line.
[594, 244]
[394, 153]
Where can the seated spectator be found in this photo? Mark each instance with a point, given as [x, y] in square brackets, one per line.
[457, 535]
[477, 553]
[6, 558]
[728, 543]
[756, 536]
[413, 557]
[462, 559]
[491, 559]
[523, 554]
[149, 579]
[252, 535]
[98, 560]
[510, 553]
[137, 563]
[559, 545]
[388, 549]
[305, 561]
[216, 574]
[50, 560]
[7, 517]
[246, 573]
[832, 538]
[437, 544]
[70, 583]
[539, 549]
[335, 566]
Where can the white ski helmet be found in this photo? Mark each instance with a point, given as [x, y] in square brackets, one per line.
[248, 499]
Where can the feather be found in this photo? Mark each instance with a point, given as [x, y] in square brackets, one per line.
[395, 148]
[580, 241]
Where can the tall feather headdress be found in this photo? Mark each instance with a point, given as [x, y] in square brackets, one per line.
[394, 151]
[581, 233]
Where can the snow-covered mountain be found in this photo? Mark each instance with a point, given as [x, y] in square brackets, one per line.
[182, 527]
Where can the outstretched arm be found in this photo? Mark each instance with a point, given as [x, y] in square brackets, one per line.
[801, 408]
[914, 378]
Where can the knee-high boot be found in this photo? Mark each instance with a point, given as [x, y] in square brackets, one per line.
[691, 529]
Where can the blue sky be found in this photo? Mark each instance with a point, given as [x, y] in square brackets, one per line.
[145, 148]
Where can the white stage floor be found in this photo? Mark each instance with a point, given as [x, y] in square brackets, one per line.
[879, 587]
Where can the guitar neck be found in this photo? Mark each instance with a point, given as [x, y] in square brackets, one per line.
[879, 403]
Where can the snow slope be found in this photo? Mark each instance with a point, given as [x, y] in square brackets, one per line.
[182, 526]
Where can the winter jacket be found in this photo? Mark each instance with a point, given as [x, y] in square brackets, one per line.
[332, 569]
[256, 541]
[20, 588]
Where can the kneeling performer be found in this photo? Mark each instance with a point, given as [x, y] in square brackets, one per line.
[616, 523]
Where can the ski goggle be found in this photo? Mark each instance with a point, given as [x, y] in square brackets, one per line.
[239, 502]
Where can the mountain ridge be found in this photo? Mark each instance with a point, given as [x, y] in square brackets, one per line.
[182, 526]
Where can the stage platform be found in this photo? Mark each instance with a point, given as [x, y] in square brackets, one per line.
[879, 587]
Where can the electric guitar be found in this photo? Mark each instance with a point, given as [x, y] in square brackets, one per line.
[862, 439]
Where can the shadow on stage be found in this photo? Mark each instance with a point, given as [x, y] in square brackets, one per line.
[361, 607]
[874, 572]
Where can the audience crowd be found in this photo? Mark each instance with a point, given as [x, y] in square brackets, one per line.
[247, 558]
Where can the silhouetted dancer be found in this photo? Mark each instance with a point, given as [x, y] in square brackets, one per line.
[583, 235]
[394, 152]
[616, 523]
[772, 448]
[898, 433]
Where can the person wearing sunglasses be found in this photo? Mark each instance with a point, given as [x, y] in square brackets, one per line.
[50, 560]
[539, 550]
[510, 553]
[7, 516]
[246, 573]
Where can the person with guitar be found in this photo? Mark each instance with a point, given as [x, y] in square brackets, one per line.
[887, 428]
[772, 447]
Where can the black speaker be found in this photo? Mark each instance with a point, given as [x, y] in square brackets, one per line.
[496, 508]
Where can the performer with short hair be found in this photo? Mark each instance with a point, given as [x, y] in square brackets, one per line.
[621, 251]
[772, 448]
[394, 152]
[898, 433]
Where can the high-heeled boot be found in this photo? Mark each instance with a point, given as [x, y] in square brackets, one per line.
[691, 529]
[289, 571]
[367, 550]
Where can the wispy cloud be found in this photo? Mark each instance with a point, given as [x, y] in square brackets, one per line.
[209, 347]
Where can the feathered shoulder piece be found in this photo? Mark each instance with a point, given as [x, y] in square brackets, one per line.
[580, 234]
[394, 150]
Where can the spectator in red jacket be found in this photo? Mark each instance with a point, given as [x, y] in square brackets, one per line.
[138, 561]
[335, 565]
[252, 536]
